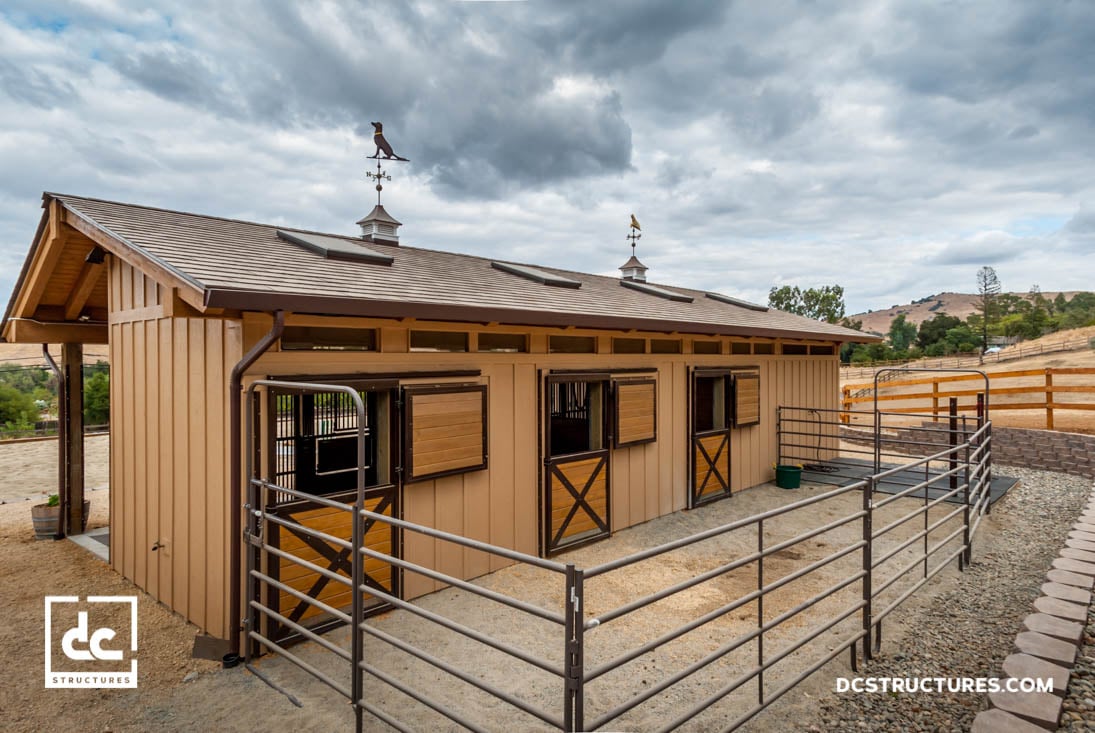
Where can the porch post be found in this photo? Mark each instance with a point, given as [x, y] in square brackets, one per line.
[72, 360]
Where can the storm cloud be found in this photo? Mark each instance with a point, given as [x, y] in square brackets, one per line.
[890, 147]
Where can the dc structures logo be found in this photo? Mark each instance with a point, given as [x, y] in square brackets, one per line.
[97, 641]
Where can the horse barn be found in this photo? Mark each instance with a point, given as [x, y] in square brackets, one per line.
[535, 408]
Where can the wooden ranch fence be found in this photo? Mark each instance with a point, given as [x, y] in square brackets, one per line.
[864, 369]
[1026, 389]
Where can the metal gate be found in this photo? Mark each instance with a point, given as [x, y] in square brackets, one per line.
[313, 438]
[575, 505]
[709, 435]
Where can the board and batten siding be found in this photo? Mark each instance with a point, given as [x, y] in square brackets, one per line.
[500, 505]
[170, 448]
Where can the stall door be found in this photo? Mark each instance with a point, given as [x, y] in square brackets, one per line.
[575, 501]
[315, 451]
[710, 436]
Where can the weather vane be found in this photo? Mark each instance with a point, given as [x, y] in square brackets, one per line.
[382, 146]
[635, 235]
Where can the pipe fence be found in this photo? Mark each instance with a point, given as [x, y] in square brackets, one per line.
[753, 606]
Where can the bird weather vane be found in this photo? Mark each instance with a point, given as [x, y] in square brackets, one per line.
[382, 146]
[635, 234]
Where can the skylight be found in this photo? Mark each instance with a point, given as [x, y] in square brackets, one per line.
[655, 290]
[541, 276]
[334, 248]
[735, 301]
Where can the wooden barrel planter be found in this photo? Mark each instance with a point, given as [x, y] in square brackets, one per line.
[47, 518]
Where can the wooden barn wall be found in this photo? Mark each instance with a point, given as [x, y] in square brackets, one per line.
[500, 505]
[169, 448]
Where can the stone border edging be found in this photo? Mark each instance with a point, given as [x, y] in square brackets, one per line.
[1050, 640]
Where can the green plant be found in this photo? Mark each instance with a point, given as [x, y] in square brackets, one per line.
[53, 500]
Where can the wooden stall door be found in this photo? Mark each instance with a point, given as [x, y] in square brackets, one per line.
[379, 537]
[575, 504]
[709, 436]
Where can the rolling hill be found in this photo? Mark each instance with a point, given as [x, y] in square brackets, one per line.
[961, 305]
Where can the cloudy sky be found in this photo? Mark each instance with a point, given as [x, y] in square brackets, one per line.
[890, 147]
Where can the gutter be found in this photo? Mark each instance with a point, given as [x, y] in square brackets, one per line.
[235, 392]
[62, 439]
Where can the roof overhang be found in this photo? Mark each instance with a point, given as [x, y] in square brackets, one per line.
[27, 320]
[253, 300]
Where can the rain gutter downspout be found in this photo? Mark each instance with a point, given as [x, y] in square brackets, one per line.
[62, 436]
[235, 392]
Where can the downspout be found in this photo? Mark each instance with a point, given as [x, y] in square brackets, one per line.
[62, 452]
[235, 392]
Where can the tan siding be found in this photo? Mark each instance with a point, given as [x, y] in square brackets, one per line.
[164, 557]
[169, 450]
[501, 503]
[502, 442]
[528, 468]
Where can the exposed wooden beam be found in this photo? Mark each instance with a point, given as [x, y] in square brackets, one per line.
[190, 294]
[85, 283]
[47, 252]
[26, 331]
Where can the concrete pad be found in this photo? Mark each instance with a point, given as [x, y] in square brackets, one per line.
[1074, 566]
[1058, 628]
[1046, 647]
[1061, 609]
[1041, 708]
[1075, 554]
[1066, 578]
[1024, 666]
[1080, 545]
[997, 721]
[1085, 536]
[1067, 593]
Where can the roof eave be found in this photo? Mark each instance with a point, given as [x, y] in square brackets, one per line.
[34, 246]
[251, 300]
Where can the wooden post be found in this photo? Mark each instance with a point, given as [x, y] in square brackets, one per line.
[1049, 399]
[844, 416]
[72, 362]
[935, 400]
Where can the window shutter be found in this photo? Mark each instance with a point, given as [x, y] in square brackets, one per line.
[636, 412]
[746, 400]
[445, 431]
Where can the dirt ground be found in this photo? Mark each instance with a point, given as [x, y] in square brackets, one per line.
[214, 699]
[28, 470]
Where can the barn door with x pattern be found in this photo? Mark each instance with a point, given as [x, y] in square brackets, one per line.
[575, 501]
[314, 437]
[710, 435]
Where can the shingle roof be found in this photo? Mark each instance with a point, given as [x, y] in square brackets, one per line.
[245, 265]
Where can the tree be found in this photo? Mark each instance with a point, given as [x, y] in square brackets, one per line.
[934, 330]
[902, 333]
[822, 304]
[17, 409]
[97, 399]
[988, 288]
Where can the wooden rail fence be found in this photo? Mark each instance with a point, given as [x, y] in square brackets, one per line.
[1043, 394]
[863, 369]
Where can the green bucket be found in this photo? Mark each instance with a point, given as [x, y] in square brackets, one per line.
[788, 477]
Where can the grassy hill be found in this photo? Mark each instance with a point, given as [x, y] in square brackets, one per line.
[961, 305]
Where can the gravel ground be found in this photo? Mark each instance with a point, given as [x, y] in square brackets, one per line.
[968, 627]
[1079, 712]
